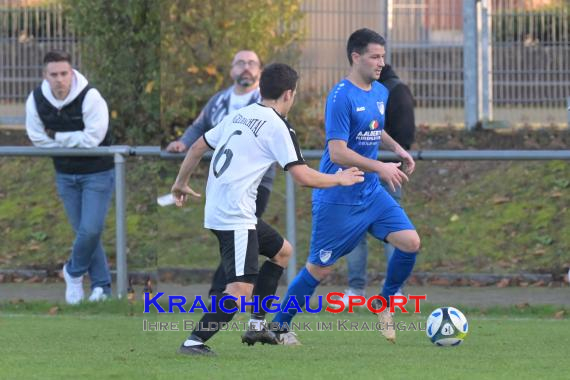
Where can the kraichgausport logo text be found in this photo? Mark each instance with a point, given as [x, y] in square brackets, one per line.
[273, 304]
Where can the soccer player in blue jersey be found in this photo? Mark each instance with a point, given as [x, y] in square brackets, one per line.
[354, 125]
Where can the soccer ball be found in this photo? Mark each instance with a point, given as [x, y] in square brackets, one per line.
[446, 326]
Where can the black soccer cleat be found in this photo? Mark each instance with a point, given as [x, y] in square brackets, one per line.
[199, 350]
[264, 336]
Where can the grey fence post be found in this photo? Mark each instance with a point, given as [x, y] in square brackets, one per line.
[470, 63]
[486, 89]
[291, 226]
[388, 7]
[568, 110]
[121, 233]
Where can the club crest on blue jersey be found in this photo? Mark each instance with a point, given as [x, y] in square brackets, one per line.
[324, 255]
[381, 107]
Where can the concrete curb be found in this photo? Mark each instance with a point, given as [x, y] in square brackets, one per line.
[203, 276]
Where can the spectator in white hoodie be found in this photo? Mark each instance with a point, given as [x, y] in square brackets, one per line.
[66, 112]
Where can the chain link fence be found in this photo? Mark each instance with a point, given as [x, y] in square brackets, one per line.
[529, 71]
[26, 34]
[529, 47]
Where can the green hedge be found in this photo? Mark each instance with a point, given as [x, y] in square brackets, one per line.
[120, 45]
[157, 63]
[199, 39]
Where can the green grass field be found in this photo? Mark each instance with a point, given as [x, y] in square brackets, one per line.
[108, 342]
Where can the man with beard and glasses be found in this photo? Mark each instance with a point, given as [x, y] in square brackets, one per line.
[245, 72]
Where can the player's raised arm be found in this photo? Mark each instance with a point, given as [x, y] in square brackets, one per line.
[305, 176]
[180, 190]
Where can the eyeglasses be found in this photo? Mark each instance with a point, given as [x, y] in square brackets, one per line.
[241, 64]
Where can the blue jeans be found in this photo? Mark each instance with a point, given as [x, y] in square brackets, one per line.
[86, 198]
[357, 260]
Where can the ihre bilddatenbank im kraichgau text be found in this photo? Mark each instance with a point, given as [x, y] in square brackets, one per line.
[272, 304]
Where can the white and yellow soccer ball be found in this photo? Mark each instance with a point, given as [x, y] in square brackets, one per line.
[447, 326]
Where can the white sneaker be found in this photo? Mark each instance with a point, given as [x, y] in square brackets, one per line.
[97, 295]
[288, 339]
[73, 288]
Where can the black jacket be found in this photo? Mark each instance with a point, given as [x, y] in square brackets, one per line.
[69, 119]
[400, 120]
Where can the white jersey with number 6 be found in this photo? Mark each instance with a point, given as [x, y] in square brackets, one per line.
[245, 144]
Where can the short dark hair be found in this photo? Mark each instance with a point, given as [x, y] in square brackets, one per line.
[276, 79]
[359, 40]
[57, 56]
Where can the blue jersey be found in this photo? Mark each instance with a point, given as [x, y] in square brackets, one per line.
[357, 117]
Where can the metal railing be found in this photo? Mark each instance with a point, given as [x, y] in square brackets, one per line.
[121, 152]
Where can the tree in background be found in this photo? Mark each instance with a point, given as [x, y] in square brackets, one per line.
[199, 39]
[120, 46]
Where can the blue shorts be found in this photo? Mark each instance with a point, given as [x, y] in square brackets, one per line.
[337, 229]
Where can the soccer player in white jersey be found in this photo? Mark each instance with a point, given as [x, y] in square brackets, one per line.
[245, 144]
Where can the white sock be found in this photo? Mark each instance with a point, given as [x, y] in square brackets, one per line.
[190, 343]
[257, 324]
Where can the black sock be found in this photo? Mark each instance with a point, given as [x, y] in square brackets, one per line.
[218, 281]
[211, 322]
[266, 285]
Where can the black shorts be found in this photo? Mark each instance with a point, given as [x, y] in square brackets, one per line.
[240, 250]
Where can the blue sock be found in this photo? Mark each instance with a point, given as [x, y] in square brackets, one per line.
[399, 269]
[304, 284]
